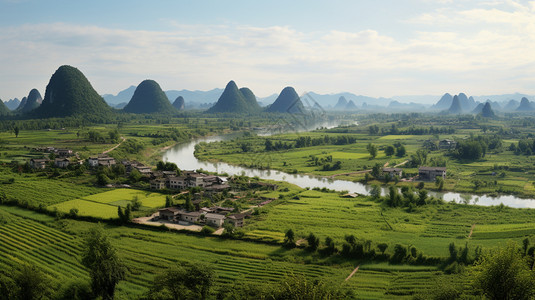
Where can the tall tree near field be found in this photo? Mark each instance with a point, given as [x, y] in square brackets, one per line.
[289, 238]
[504, 274]
[105, 268]
[25, 282]
[372, 149]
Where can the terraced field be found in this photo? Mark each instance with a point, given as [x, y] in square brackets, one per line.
[55, 247]
[38, 190]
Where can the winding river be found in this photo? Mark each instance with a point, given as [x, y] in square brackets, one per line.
[183, 156]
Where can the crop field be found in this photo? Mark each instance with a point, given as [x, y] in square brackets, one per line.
[38, 190]
[104, 205]
[500, 171]
[430, 228]
[55, 246]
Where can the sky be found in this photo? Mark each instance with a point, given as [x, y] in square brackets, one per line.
[380, 48]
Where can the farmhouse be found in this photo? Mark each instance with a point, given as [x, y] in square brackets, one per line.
[430, 173]
[393, 172]
[176, 183]
[168, 213]
[447, 144]
[38, 163]
[102, 160]
[191, 217]
[215, 220]
[64, 152]
[236, 219]
[195, 179]
[61, 162]
[157, 184]
[144, 170]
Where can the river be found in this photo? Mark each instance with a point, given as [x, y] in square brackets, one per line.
[183, 156]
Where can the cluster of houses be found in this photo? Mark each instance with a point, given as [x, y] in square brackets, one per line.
[61, 160]
[214, 216]
[170, 180]
[424, 173]
[445, 144]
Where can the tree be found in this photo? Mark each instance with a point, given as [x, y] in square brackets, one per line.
[188, 204]
[382, 247]
[25, 282]
[372, 149]
[135, 176]
[168, 201]
[389, 150]
[439, 182]
[400, 151]
[16, 131]
[105, 268]
[330, 247]
[289, 238]
[75, 289]
[313, 242]
[375, 192]
[376, 170]
[296, 287]
[136, 203]
[504, 274]
[199, 280]
[183, 282]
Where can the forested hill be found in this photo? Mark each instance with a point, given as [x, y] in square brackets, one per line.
[69, 93]
[149, 98]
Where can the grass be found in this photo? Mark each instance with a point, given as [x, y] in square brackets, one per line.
[104, 205]
[499, 171]
[430, 228]
[55, 247]
[33, 189]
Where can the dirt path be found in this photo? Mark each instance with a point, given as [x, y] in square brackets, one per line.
[471, 230]
[115, 147]
[386, 164]
[401, 164]
[353, 273]
[352, 173]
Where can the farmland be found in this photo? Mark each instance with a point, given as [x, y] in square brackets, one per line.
[104, 205]
[501, 170]
[430, 228]
[49, 236]
[55, 247]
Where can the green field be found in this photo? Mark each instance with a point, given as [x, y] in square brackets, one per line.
[499, 171]
[104, 205]
[430, 228]
[56, 247]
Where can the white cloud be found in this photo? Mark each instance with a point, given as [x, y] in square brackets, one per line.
[486, 58]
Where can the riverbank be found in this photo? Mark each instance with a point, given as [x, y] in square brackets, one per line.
[184, 156]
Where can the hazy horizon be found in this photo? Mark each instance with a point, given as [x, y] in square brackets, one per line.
[380, 49]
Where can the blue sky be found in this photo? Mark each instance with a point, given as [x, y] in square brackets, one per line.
[375, 48]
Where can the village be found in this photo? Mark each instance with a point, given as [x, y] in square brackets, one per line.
[177, 180]
[168, 181]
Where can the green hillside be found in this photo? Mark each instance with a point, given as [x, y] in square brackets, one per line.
[149, 98]
[287, 102]
[232, 101]
[32, 102]
[69, 93]
[250, 99]
[3, 109]
[179, 103]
